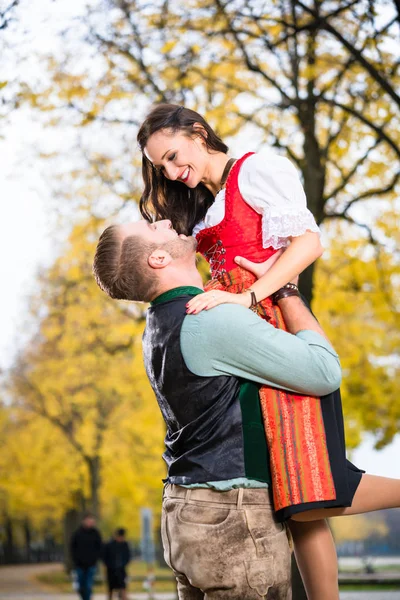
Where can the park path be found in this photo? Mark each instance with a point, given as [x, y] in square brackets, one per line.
[21, 578]
[18, 582]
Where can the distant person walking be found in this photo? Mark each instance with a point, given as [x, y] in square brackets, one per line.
[86, 548]
[116, 557]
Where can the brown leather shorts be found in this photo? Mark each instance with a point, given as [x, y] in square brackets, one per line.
[225, 545]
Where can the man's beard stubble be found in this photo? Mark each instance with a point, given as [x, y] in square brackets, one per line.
[180, 247]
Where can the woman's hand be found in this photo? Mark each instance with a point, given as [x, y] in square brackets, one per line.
[258, 269]
[214, 298]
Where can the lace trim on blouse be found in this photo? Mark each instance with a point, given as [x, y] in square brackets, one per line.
[277, 229]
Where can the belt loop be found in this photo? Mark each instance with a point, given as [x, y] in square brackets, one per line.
[187, 495]
[240, 498]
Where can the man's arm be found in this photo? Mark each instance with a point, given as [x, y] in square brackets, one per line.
[298, 317]
[232, 340]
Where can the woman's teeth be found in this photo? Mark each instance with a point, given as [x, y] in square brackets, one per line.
[185, 174]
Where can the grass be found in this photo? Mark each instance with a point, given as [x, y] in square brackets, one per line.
[61, 582]
[368, 588]
[377, 569]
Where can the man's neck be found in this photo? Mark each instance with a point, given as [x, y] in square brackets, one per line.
[180, 278]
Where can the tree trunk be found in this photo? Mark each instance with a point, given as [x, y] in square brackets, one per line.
[9, 553]
[28, 539]
[306, 283]
[314, 183]
[94, 465]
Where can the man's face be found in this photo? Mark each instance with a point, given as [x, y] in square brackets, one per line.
[162, 235]
[89, 522]
[159, 232]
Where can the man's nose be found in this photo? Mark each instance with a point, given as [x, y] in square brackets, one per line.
[165, 224]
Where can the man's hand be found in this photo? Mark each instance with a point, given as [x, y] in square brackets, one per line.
[258, 269]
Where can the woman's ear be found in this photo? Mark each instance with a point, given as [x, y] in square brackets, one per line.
[159, 259]
[199, 129]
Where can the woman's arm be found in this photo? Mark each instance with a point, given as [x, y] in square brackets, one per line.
[302, 252]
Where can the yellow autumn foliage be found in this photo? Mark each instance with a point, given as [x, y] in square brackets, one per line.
[357, 528]
[82, 380]
[357, 301]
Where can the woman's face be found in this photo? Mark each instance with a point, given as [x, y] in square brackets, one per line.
[179, 157]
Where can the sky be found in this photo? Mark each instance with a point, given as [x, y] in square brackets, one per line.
[28, 237]
[25, 245]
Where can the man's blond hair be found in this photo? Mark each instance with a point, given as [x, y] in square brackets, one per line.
[121, 267]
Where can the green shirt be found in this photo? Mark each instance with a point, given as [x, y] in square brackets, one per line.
[232, 340]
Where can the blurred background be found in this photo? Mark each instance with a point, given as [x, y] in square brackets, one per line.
[316, 81]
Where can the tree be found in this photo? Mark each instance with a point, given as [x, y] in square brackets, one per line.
[40, 475]
[357, 298]
[83, 374]
[287, 75]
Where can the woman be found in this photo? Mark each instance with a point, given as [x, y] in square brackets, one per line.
[253, 207]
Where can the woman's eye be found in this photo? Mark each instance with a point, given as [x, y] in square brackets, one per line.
[172, 157]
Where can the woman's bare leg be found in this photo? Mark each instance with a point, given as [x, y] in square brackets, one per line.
[373, 493]
[316, 558]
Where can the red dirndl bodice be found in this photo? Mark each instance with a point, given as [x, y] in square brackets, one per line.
[294, 427]
[240, 231]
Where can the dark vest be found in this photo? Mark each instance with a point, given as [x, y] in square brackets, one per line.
[214, 424]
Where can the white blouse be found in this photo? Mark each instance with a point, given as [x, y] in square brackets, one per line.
[271, 185]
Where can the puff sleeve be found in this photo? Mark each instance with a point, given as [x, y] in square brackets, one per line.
[270, 184]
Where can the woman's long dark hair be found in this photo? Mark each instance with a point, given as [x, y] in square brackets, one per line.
[166, 199]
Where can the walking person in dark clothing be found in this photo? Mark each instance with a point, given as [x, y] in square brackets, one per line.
[116, 556]
[86, 548]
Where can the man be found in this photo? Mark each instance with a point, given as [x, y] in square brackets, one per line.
[116, 557]
[218, 529]
[86, 548]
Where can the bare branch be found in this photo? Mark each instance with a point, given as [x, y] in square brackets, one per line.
[249, 63]
[346, 178]
[374, 192]
[376, 128]
[5, 15]
[384, 83]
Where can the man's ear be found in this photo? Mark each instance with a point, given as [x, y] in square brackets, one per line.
[159, 259]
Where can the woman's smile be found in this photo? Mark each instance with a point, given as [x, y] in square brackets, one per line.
[185, 175]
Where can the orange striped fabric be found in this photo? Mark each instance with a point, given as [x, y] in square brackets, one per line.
[294, 427]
